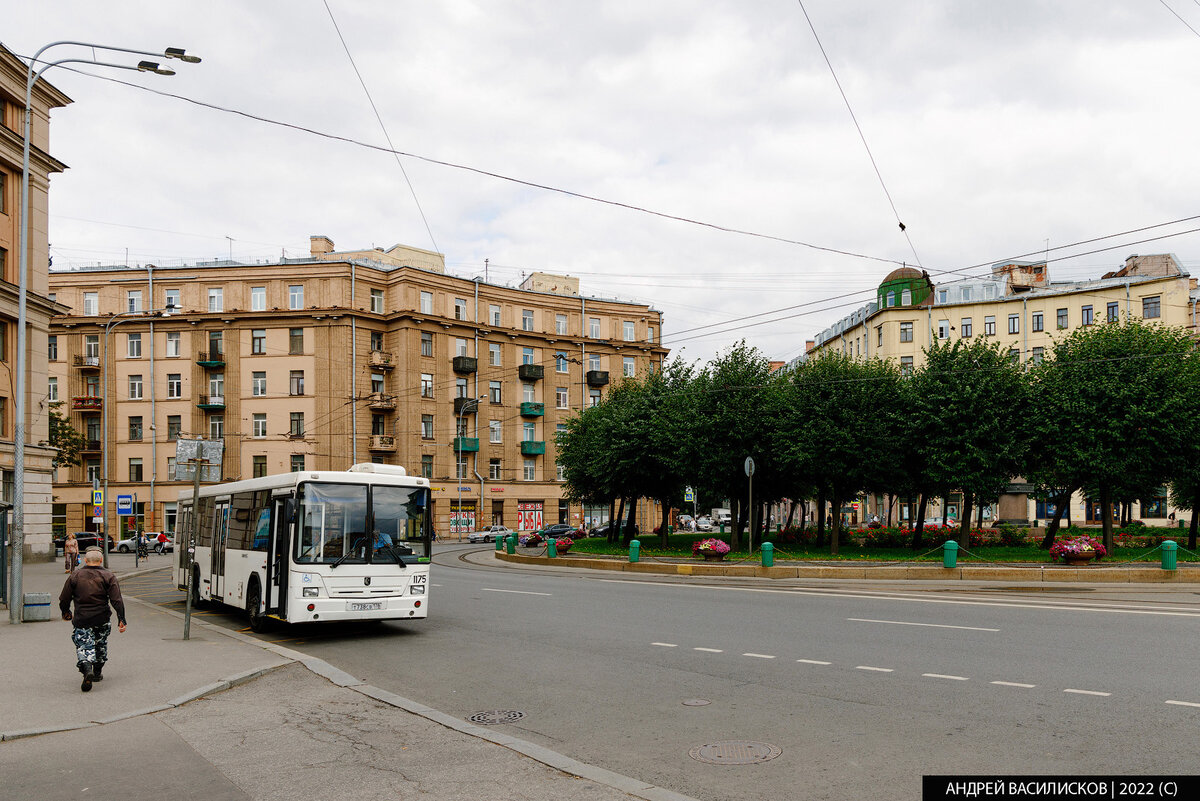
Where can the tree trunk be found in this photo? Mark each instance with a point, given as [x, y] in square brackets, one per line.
[1195, 515]
[835, 503]
[630, 523]
[820, 518]
[1106, 517]
[666, 519]
[791, 515]
[964, 526]
[614, 523]
[1060, 507]
[919, 530]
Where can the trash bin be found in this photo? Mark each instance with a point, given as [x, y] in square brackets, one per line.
[37, 607]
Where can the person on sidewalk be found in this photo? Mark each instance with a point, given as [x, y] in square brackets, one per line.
[71, 553]
[93, 588]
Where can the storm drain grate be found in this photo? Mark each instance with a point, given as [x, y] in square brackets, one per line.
[495, 717]
[735, 752]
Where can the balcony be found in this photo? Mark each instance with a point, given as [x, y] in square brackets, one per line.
[464, 444]
[90, 446]
[87, 362]
[380, 402]
[531, 372]
[535, 447]
[88, 404]
[465, 364]
[597, 378]
[210, 358]
[211, 402]
[382, 442]
[381, 360]
[470, 405]
[533, 409]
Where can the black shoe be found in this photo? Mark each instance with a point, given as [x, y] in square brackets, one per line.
[96, 674]
[88, 675]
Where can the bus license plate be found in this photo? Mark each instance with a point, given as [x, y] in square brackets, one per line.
[366, 607]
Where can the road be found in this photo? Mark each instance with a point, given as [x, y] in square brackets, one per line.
[859, 687]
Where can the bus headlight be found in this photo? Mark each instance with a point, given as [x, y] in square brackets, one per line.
[311, 592]
[416, 589]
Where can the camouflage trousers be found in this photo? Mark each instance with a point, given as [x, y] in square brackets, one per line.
[91, 645]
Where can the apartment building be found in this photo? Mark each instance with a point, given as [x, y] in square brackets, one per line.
[1018, 306]
[39, 308]
[333, 359]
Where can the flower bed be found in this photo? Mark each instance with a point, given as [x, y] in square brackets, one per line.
[564, 544]
[710, 546]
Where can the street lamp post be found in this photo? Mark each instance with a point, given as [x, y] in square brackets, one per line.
[472, 402]
[15, 609]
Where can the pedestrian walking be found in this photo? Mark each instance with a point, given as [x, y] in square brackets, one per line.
[93, 588]
[71, 554]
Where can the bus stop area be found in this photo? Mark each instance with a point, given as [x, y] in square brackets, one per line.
[226, 716]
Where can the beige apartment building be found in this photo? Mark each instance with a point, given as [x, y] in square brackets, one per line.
[39, 308]
[1019, 307]
[325, 361]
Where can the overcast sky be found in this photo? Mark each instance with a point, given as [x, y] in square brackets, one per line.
[999, 128]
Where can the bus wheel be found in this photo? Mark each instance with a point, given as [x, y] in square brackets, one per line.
[197, 601]
[259, 622]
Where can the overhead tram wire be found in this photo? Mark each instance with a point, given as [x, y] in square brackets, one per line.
[1181, 19]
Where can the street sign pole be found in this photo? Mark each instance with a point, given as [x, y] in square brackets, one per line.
[191, 551]
[750, 476]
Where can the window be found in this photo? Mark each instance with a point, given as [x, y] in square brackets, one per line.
[1014, 355]
[964, 326]
[216, 426]
[649, 333]
[560, 471]
[494, 314]
[427, 465]
[891, 298]
[906, 332]
[494, 431]
[52, 389]
[906, 365]
[989, 326]
[376, 340]
[426, 343]
[494, 354]
[560, 361]
[258, 298]
[91, 304]
[91, 346]
[530, 471]
[1038, 355]
[526, 355]
[259, 426]
[258, 341]
[295, 341]
[966, 293]
[460, 387]
[259, 468]
[171, 469]
[426, 385]
[216, 385]
[943, 329]
[460, 347]
[296, 424]
[295, 296]
[560, 324]
[594, 327]
[216, 343]
[1152, 307]
[377, 301]
[133, 300]
[461, 427]
[561, 397]
[593, 397]
[494, 392]
[135, 429]
[942, 295]
[427, 426]
[628, 367]
[52, 348]
[1036, 323]
[1014, 323]
[296, 382]
[377, 382]
[216, 299]
[296, 463]
[494, 469]
[627, 330]
[174, 426]
[460, 465]
[527, 393]
[594, 361]
[460, 309]
[1113, 312]
[133, 346]
[1086, 315]
[879, 335]
[426, 303]
[906, 297]
[171, 299]
[526, 319]
[135, 387]
[93, 469]
[135, 469]
[172, 344]
[174, 385]
[1062, 319]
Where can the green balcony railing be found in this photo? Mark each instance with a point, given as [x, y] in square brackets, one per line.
[533, 447]
[463, 444]
[533, 409]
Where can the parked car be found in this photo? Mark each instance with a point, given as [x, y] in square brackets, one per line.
[86, 539]
[602, 529]
[489, 534]
[557, 530]
[129, 543]
[937, 522]
[704, 523]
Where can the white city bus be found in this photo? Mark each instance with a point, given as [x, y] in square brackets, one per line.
[310, 546]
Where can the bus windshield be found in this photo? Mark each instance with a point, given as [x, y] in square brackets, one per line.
[357, 524]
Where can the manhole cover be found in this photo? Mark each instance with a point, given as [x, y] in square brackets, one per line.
[735, 752]
[696, 702]
[494, 717]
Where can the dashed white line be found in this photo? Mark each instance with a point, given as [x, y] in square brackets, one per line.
[813, 662]
[515, 592]
[876, 669]
[943, 676]
[665, 644]
[1085, 692]
[1014, 684]
[709, 650]
[929, 625]
[1183, 703]
[760, 656]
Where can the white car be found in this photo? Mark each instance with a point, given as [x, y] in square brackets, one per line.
[488, 534]
[704, 524]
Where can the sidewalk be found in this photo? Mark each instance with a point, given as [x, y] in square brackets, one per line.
[224, 716]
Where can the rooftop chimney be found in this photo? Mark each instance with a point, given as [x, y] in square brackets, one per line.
[320, 244]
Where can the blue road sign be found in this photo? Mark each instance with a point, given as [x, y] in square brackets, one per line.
[124, 504]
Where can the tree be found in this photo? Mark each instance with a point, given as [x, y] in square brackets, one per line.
[67, 442]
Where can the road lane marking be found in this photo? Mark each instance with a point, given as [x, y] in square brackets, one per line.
[876, 669]
[709, 650]
[813, 662]
[760, 656]
[1014, 684]
[665, 644]
[930, 625]
[515, 592]
[1182, 703]
[943, 676]
[1086, 692]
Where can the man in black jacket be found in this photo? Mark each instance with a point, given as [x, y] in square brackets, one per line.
[93, 588]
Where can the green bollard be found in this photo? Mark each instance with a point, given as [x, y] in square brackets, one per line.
[1169, 554]
[768, 554]
[552, 547]
[499, 544]
[950, 554]
[511, 543]
[722, 526]
[635, 548]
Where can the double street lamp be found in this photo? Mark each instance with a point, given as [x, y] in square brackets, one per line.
[16, 602]
[467, 403]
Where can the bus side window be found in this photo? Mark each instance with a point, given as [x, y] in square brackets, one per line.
[262, 531]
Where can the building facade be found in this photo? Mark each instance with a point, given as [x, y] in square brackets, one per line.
[38, 306]
[1019, 307]
[326, 361]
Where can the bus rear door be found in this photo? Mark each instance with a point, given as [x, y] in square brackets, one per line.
[278, 553]
[216, 588]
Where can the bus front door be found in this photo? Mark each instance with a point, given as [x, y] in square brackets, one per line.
[277, 563]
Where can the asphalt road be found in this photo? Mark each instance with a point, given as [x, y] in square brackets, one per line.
[862, 688]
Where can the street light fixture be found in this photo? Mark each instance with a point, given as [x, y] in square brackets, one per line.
[15, 610]
[473, 402]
